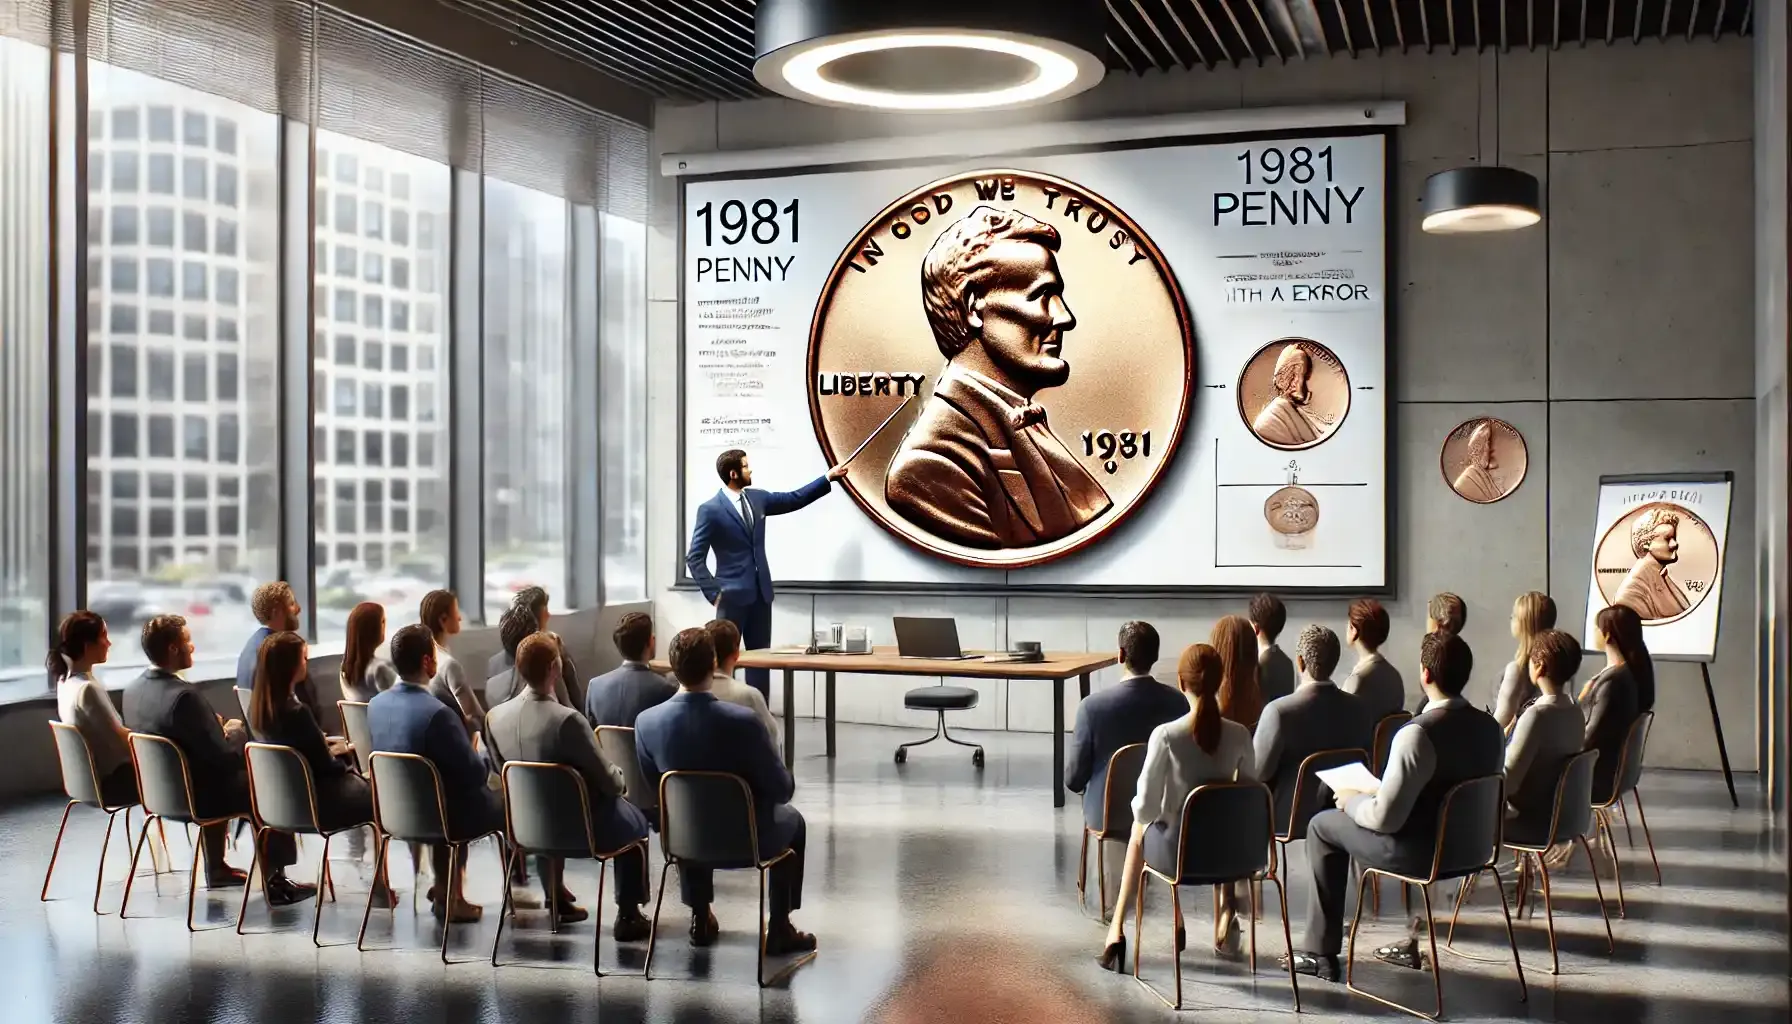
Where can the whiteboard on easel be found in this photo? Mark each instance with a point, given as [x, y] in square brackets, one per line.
[1659, 547]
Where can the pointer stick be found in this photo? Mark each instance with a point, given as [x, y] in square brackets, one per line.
[874, 433]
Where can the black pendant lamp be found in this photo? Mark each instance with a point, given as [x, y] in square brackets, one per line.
[1470, 200]
[929, 54]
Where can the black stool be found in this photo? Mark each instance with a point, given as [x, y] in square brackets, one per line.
[941, 699]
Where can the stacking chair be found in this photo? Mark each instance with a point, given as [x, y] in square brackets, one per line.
[618, 744]
[1569, 822]
[283, 798]
[1382, 749]
[1306, 802]
[408, 805]
[1232, 823]
[81, 781]
[940, 699]
[1624, 782]
[708, 819]
[547, 811]
[1116, 821]
[165, 785]
[354, 723]
[1468, 843]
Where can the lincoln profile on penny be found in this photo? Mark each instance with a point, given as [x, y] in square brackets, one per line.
[980, 465]
[1476, 482]
[1649, 590]
[1285, 421]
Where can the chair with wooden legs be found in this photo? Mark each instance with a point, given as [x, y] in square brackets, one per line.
[283, 798]
[1569, 821]
[1232, 824]
[547, 811]
[408, 805]
[165, 785]
[1468, 843]
[1624, 783]
[709, 819]
[81, 781]
[1115, 824]
[1382, 747]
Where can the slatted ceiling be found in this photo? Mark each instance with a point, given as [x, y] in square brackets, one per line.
[703, 49]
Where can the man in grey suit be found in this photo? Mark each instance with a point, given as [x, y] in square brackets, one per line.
[620, 695]
[533, 726]
[1316, 716]
[1275, 672]
[1374, 678]
[1121, 715]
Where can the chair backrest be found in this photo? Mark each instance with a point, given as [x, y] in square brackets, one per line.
[1226, 828]
[354, 725]
[162, 777]
[618, 744]
[708, 818]
[1310, 794]
[407, 797]
[1384, 739]
[80, 779]
[282, 794]
[1573, 813]
[1469, 827]
[1123, 781]
[547, 809]
[1630, 768]
[245, 698]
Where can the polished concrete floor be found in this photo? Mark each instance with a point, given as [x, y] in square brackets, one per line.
[938, 892]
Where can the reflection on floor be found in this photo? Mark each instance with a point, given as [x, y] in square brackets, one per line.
[938, 892]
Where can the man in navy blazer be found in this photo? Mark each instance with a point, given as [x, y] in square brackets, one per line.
[696, 732]
[733, 525]
[1118, 716]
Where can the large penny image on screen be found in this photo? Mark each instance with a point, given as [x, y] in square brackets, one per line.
[1660, 559]
[1027, 353]
[1293, 393]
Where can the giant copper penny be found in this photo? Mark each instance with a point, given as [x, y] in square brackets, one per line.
[1484, 459]
[1660, 559]
[1293, 393]
[1044, 352]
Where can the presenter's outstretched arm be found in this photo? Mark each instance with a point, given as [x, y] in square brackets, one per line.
[779, 502]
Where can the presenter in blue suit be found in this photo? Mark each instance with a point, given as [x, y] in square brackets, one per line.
[732, 524]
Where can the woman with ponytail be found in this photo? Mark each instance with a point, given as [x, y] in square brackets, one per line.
[1623, 690]
[1533, 614]
[1200, 747]
[81, 701]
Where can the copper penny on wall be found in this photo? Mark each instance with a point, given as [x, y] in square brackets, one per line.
[1484, 460]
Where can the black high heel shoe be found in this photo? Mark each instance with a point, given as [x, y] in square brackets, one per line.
[1181, 939]
[1113, 958]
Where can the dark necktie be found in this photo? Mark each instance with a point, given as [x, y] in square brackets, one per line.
[746, 512]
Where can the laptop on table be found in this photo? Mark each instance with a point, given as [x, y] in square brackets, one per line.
[929, 638]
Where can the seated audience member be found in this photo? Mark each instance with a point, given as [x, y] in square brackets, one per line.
[1549, 732]
[1374, 678]
[162, 703]
[514, 627]
[82, 701]
[532, 602]
[1319, 715]
[1395, 828]
[366, 667]
[724, 638]
[1119, 716]
[439, 612]
[1241, 699]
[277, 716]
[1445, 613]
[1613, 699]
[408, 719]
[1199, 747]
[276, 608]
[696, 732]
[1275, 672]
[535, 726]
[620, 695]
[1532, 615]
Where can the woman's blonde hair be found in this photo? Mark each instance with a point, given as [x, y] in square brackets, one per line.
[1534, 612]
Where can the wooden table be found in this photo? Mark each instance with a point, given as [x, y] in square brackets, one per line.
[884, 661]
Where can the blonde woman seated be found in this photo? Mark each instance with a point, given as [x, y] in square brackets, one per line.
[1200, 747]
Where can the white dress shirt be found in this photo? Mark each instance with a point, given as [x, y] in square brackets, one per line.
[1175, 764]
[727, 688]
[1411, 762]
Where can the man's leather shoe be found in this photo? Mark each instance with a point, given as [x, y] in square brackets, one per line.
[464, 912]
[571, 913]
[783, 939]
[284, 892]
[704, 928]
[225, 878]
[1325, 968]
[1404, 953]
[631, 925]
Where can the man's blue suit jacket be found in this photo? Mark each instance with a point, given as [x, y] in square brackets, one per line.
[741, 574]
[697, 732]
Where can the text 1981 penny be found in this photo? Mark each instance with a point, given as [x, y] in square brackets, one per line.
[1293, 393]
[1043, 349]
[1484, 459]
[1660, 559]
